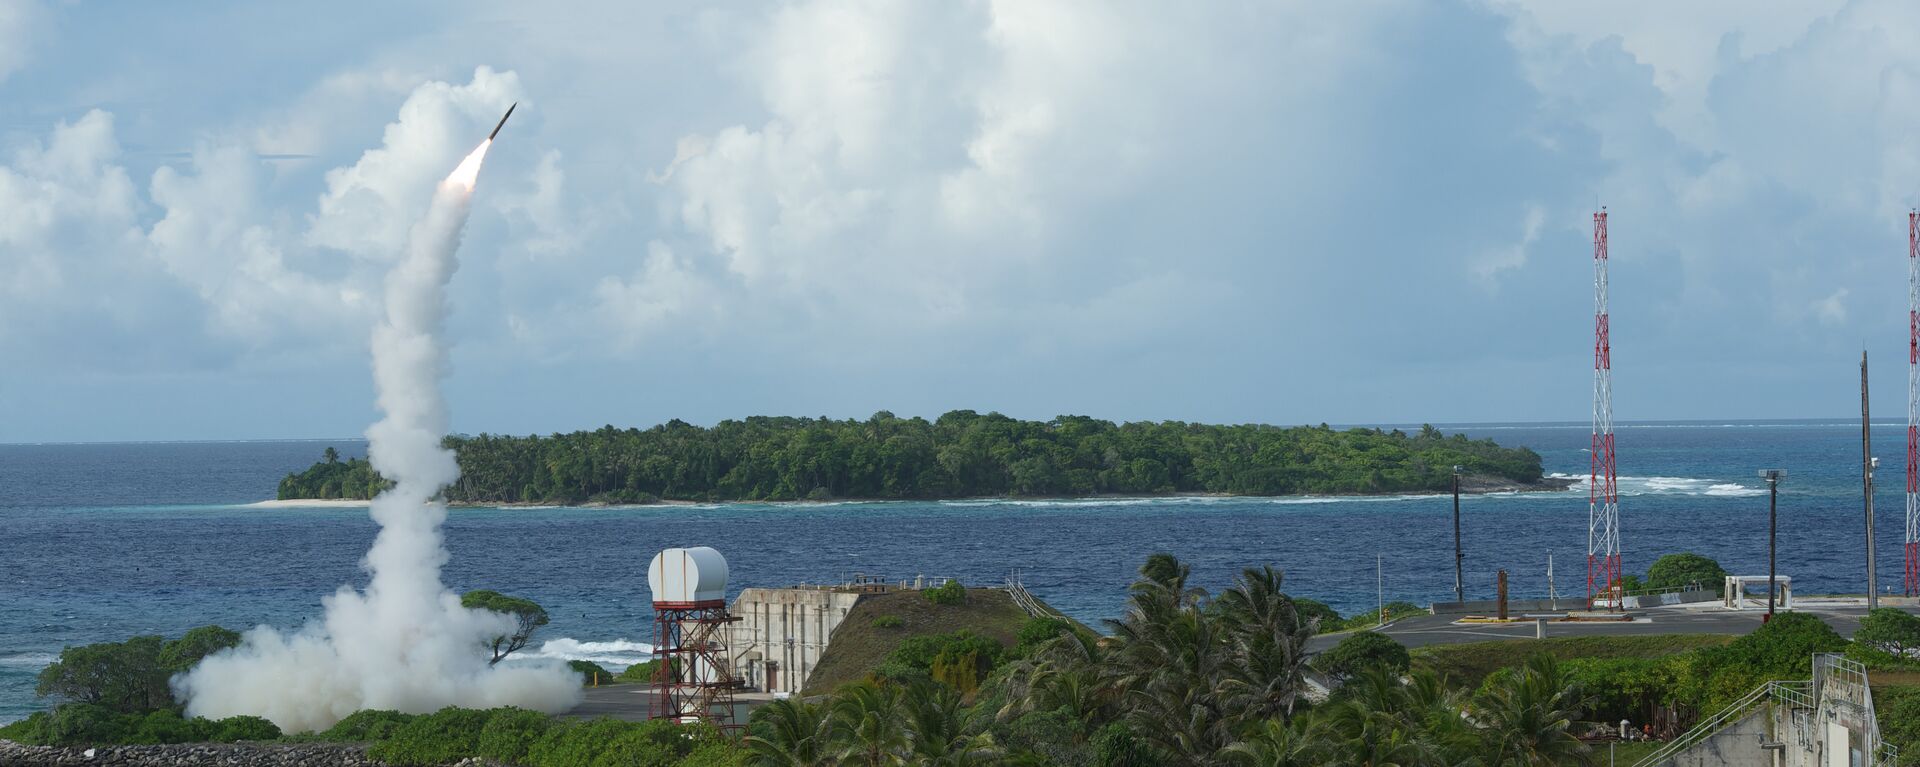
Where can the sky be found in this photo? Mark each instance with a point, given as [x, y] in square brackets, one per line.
[1281, 212]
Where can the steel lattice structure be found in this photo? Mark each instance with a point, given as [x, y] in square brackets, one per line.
[1603, 495]
[1912, 585]
[693, 681]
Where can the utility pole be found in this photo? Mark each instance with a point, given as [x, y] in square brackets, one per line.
[1867, 464]
[1773, 477]
[1551, 595]
[1380, 582]
[1459, 588]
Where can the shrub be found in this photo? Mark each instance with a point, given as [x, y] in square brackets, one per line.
[640, 672]
[121, 676]
[510, 733]
[1116, 746]
[1678, 570]
[1038, 631]
[1371, 618]
[238, 728]
[371, 724]
[31, 730]
[1362, 651]
[1887, 637]
[166, 726]
[1311, 609]
[187, 651]
[949, 593]
[601, 742]
[444, 736]
[590, 673]
[888, 622]
[1898, 709]
[87, 724]
[1636, 689]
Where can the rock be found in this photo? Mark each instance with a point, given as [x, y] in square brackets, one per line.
[190, 755]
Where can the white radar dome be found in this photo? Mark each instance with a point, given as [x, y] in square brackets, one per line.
[687, 576]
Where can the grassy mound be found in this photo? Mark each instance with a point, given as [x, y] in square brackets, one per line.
[1468, 664]
[863, 641]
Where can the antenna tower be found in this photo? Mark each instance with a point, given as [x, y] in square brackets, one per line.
[1603, 496]
[1912, 585]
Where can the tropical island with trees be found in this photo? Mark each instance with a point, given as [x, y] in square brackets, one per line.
[962, 454]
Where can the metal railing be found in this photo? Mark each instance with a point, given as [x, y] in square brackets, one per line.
[1790, 694]
[1025, 600]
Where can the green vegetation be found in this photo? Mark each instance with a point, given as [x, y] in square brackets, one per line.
[1186, 678]
[532, 739]
[962, 453]
[888, 622]
[1360, 652]
[1331, 621]
[129, 676]
[527, 616]
[859, 647]
[591, 674]
[1685, 569]
[86, 724]
[1468, 664]
[640, 672]
[949, 593]
[1888, 639]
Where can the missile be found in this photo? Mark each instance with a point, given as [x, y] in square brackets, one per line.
[503, 121]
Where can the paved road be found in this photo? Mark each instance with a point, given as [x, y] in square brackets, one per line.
[1425, 630]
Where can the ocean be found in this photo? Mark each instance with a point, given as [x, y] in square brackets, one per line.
[99, 542]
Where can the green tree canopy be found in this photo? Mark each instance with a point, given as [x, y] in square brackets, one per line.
[1684, 569]
[527, 616]
[962, 453]
[1361, 651]
[125, 677]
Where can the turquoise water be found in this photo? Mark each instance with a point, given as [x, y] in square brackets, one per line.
[100, 542]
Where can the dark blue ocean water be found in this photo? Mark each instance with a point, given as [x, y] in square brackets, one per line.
[101, 542]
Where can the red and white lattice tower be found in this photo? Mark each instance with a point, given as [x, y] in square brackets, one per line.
[1603, 496]
[1913, 404]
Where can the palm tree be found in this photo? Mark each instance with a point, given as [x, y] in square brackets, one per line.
[867, 724]
[1528, 718]
[1270, 641]
[1280, 743]
[789, 733]
[937, 731]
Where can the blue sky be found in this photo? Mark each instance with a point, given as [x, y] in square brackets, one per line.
[1285, 212]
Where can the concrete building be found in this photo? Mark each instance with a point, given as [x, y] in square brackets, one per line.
[781, 634]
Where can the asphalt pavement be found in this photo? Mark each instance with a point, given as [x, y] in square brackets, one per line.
[1428, 630]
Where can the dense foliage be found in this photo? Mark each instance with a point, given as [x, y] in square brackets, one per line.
[949, 593]
[85, 724]
[1362, 651]
[129, 676]
[1186, 678]
[533, 739]
[962, 453]
[1685, 569]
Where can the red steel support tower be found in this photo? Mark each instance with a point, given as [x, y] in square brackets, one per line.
[1603, 496]
[692, 682]
[1912, 586]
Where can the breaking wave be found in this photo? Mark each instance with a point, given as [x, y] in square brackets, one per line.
[1632, 486]
[614, 655]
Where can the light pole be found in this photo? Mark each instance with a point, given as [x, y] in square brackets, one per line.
[1459, 587]
[1773, 477]
[1873, 586]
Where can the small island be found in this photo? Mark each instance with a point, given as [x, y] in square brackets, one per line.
[962, 454]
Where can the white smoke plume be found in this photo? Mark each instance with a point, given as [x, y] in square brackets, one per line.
[405, 643]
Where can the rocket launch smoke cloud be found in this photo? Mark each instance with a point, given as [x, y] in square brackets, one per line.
[405, 642]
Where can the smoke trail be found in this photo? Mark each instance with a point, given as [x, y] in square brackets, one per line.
[405, 643]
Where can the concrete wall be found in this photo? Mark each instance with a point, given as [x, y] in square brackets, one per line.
[786, 627]
[1737, 745]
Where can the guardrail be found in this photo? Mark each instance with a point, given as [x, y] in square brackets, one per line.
[1025, 600]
